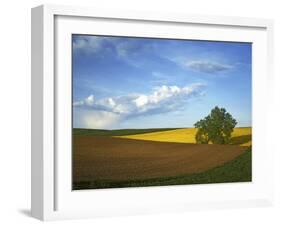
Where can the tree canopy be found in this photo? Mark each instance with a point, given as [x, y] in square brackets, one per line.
[216, 127]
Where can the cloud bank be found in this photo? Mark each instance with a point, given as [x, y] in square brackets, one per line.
[103, 113]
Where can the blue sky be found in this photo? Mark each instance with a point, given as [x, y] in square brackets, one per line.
[121, 82]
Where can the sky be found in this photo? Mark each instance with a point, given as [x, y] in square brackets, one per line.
[128, 82]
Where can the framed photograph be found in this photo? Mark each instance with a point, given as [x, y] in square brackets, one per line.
[138, 112]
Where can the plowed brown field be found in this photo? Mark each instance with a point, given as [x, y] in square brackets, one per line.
[97, 157]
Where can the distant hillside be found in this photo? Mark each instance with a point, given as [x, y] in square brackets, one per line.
[118, 132]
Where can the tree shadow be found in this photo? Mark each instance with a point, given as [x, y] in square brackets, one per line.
[240, 139]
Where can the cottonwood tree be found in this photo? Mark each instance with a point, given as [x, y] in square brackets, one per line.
[216, 127]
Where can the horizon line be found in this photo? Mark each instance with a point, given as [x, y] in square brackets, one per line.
[156, 128]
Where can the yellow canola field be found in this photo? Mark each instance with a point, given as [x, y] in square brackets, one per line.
[241, 136]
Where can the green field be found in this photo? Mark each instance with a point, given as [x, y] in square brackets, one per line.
[117, 132]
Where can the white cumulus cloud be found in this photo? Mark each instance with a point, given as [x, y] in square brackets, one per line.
[104, 112]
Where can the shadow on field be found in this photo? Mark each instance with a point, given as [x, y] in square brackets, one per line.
[241, 139]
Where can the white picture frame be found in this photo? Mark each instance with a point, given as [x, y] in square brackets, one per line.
[52, 198]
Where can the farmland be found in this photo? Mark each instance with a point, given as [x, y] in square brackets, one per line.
[109, 158]
[117, 132]
[240, 136]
